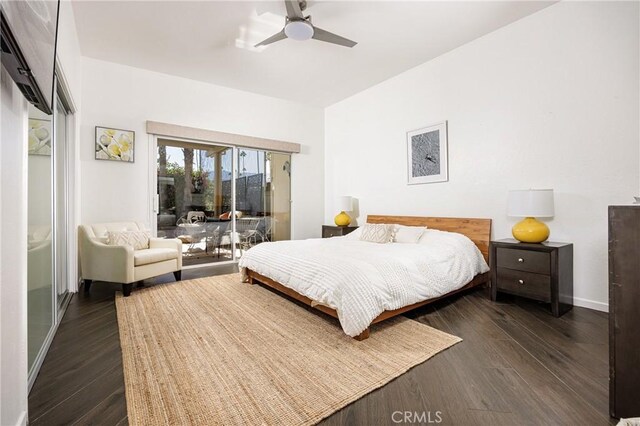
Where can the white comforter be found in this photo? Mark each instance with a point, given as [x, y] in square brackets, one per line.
[360, 280]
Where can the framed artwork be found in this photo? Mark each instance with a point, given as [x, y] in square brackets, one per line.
[115, 144]
[427, 154]
[39, 137]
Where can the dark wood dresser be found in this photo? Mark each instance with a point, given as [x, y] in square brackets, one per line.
[329, 231]
[624, 311]
[541, 272]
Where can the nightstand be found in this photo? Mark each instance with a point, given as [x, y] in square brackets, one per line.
[541, 272]
[329, 231]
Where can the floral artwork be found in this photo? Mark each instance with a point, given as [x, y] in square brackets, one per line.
[39, 137]
[114, 144]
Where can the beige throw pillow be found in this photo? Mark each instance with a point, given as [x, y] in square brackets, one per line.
[377, 233]
[139, 240]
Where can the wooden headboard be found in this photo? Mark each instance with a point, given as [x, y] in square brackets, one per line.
[478, 230]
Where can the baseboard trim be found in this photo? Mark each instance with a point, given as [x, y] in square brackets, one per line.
[22, 420]
[591, 304]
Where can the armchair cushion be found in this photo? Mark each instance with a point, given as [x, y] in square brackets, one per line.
[139, 240]
[172, 243]
[154, 255]
[100, 229]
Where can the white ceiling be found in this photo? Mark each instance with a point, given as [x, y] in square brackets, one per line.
[204, 40]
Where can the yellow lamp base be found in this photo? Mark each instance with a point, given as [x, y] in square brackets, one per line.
[530, 230]
[342, 219]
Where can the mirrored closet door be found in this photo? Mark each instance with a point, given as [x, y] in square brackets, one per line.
[40, 283]
[48, 273]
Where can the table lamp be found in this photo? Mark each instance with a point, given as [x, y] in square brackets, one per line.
[529, 204]
[345, 204]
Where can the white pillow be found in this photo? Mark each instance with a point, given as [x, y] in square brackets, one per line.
[380, 233]
[139, 240]
[427, 237]
[408, 234]
[353, 235]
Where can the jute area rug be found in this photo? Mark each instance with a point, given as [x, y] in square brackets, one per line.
[218, 351]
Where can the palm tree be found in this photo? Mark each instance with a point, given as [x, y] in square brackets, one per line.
[162, 172]
[243, 154]
[188, 177]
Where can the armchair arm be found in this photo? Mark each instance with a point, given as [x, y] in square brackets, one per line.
[99, 261]
[172, 243]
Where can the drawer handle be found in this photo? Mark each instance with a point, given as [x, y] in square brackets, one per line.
[520, 281]
[521, 260]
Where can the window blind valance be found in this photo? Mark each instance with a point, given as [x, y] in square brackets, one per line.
[192, 145]
[176, 131]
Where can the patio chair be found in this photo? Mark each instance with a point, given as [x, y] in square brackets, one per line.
[196, 216]
[213, 238]
[191, 232]
[264, 231]
[245, 236]
[247, 230]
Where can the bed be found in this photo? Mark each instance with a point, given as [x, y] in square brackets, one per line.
[364, 283]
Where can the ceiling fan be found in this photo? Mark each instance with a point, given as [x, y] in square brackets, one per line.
[299, 27]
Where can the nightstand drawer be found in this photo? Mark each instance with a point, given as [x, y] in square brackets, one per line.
[524, 260]
[336, 231]
[534, 286]
[328, 233]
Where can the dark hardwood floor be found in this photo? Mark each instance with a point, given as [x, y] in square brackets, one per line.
[516, 365]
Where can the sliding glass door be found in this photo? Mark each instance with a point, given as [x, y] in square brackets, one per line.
[263, 194]
[220, 200]
[194, 192]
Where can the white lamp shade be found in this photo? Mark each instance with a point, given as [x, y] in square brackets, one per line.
[531, 203]
[345, 203]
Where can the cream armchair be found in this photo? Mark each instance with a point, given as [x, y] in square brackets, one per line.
[123, 264]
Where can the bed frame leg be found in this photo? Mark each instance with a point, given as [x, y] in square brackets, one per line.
[363, 335]
[251, 280]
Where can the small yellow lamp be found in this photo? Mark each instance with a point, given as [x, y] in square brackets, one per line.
[529, 204]
[345, 204]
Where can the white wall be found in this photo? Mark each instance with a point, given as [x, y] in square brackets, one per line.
[13, 255]
[550, 101]
[124, 97]
[70, 61]
[69, 55]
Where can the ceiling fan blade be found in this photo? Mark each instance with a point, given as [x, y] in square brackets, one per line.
[293, 9]
[276, 37]
[322, 35]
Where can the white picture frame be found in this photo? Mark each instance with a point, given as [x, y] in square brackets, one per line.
[113, 144]
[427, 154]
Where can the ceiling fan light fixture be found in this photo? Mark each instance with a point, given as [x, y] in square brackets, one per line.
[298, 30]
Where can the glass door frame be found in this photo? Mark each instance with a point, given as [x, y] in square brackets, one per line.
[61, 303]
[58, 308]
